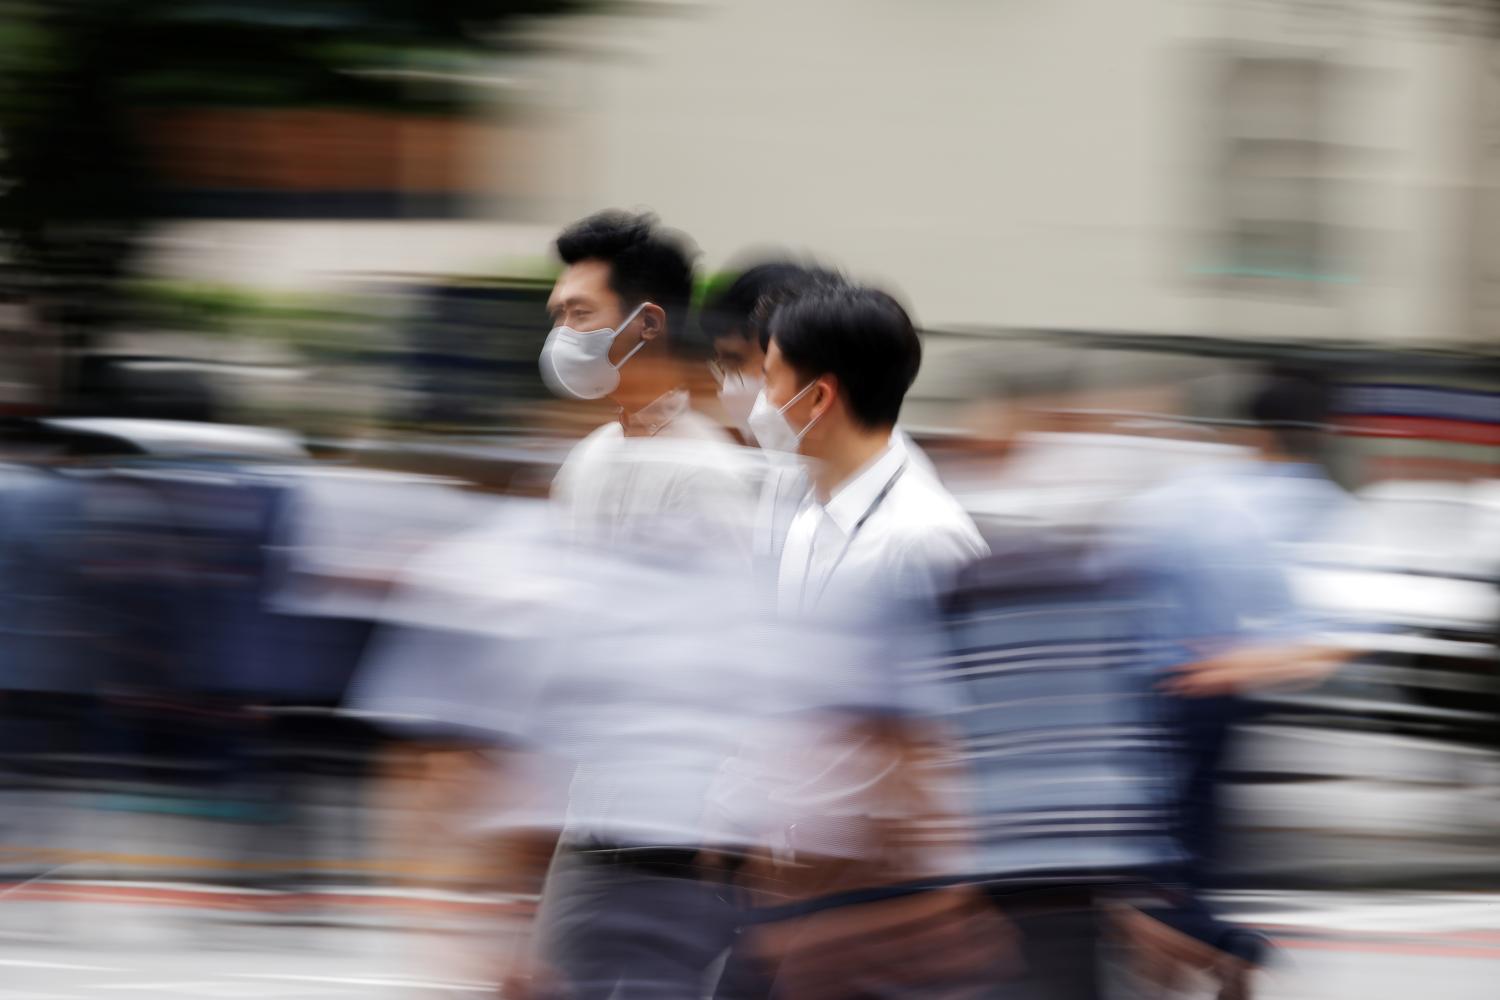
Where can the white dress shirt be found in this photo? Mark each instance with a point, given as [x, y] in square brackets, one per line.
[676, 477]
[856, 580]
[626, 678]
[890, 532]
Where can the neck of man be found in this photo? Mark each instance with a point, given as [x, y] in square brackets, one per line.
[656, 377]
[852, 450]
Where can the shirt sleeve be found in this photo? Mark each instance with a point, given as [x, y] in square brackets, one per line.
[926, 566]
[1219, 581]
[465, 639]
[445, 685]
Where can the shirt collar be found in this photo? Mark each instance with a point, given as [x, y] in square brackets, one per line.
[853, 499]
[650, 419]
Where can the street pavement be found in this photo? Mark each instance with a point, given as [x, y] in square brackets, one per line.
[1330, 945]
[110, 893]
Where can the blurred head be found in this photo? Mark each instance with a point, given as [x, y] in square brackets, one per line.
[618, 308]
[839, 363]
[728, 316]
[1290, 413]
[734, 322]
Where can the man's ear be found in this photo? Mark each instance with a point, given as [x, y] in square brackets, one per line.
[653, 321]
[824, 395]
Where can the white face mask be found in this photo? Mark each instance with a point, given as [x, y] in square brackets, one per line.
[576, 365]
[769, 424]
[738, 393]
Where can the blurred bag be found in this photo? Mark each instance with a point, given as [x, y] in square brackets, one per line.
[1165, 960]
[937, 943]
[859, 924]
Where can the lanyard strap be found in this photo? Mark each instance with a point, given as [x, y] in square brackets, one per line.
[812, 543]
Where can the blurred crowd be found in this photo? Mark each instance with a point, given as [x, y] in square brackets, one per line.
[767, 695]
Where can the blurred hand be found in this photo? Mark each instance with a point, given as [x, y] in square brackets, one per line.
[527, 979]
[1254, 668]
[518, 969]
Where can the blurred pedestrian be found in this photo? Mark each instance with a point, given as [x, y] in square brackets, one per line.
[738, 343]
[1208, 549]
[738, 321]
[842, 898]
[871, 522]
[621, 333]
[600, 648]
[1299, 504]
[664, 501]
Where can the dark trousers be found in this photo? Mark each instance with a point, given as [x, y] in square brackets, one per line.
[1203, 728]
[1060, 940]
[613, 932]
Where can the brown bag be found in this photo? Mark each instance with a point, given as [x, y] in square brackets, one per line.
[1165, 960]
[947, 942]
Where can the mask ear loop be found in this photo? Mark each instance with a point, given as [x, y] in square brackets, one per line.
[805, 390]
[800, 393]
[623, 327]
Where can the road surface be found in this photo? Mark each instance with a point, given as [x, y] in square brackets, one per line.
[169, 943]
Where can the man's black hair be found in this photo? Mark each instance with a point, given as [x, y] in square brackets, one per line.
[1294, 409]
[859, 335]
[647, 263]
[806, 281]
[728, 312]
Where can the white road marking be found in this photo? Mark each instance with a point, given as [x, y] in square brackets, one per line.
[27, 963]
[220, 988]
[1426, 913]
[392, 981]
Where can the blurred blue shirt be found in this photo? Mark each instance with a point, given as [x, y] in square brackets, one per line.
[1209, 551]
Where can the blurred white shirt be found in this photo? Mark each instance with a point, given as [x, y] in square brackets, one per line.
[677, 478]
[914, 452]
[616, 644]
[856, 581]
[621, 679]
[891, 532]
[347, 534]
[1074, 479]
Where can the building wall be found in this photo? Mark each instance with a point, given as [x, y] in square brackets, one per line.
[1035, 163]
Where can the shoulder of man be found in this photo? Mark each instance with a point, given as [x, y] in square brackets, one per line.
[933, 538]
[931, 508]
[600, 439]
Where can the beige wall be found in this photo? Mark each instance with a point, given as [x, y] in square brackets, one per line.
[1000, 162]
[953, 148]
[1032, 162]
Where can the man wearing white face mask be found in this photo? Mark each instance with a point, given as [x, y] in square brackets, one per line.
[636, 700]
[739, 353]
[737, 320]
[619, 312]
[875, 521]
[862, 541]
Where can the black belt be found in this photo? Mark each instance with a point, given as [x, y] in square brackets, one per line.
[675, 862]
